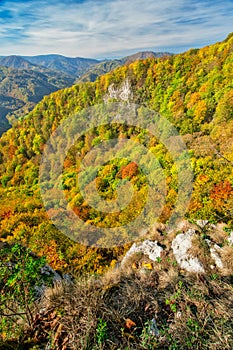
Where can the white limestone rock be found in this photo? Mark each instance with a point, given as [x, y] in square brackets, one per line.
[214, 254]
[180, 245]
[56, 278]
[47, 270]
[216, 257]
[149, 248]
[230, 239]
[125, 92]
[122, 93]
[202, 223]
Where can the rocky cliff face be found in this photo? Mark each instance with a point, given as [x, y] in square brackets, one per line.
[122, 93]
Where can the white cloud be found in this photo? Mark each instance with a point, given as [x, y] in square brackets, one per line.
[112, 27]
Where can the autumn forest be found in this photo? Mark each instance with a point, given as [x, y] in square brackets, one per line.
[192, 90]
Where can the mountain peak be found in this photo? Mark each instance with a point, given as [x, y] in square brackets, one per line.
[141, 55]
[16, 62]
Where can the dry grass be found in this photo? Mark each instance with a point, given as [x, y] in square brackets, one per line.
[227, 258]
[127, 300]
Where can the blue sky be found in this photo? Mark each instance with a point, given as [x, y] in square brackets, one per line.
[111, 28]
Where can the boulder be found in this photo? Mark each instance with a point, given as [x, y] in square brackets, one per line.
[147, 247]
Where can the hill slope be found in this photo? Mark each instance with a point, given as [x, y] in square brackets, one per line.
[156, 304]
[21, 89]
[193, 90]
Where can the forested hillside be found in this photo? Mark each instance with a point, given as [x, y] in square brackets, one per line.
[22, 88]
[193, 90]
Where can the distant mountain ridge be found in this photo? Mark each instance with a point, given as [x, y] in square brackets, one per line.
[73, 66]
[16, 62]
[141, 55]
[76, 67]
[108, 65]
[24, 83]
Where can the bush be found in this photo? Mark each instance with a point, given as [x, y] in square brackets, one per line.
[20, 272]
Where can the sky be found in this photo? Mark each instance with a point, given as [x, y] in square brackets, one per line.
[111, 28]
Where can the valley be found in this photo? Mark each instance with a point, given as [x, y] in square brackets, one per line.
[146, 303]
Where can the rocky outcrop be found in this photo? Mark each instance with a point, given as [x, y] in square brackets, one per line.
[121, 93]
[55, 277]
[180, 246]
[202, 247]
